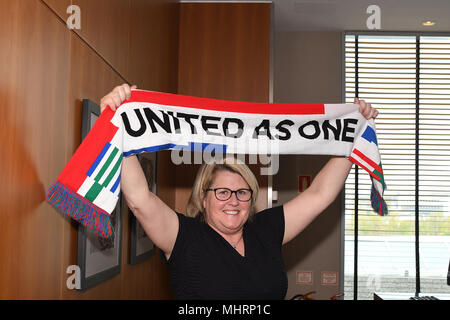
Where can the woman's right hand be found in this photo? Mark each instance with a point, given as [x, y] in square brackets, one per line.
[116, 97]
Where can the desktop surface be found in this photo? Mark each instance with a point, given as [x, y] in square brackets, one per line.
[409, 295]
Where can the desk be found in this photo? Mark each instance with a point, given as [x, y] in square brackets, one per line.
[406, 296]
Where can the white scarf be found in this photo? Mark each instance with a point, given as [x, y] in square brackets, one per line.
[89, 186]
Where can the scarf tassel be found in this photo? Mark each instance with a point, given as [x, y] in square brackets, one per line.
[80, 209]
[378, 203]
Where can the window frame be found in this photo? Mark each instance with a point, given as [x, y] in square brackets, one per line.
[417, 124]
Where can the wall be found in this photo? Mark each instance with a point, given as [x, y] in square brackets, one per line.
[46, 71]
[307, 69]
[224, 53]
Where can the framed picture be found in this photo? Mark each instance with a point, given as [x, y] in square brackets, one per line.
[99, 259]
[141, 247]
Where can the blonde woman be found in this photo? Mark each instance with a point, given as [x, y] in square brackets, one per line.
[221, 249]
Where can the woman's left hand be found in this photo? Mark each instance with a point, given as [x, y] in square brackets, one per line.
[366, 109]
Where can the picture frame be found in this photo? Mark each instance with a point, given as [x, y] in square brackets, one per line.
[99, 259]
[141, 247]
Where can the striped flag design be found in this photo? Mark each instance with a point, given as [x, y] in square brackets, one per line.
[366, 155]
[368, 164]
[104, 175]
[88, 188]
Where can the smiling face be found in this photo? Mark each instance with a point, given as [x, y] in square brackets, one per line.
[226, 217]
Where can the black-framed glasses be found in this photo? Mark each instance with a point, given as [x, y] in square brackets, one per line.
[223, 194]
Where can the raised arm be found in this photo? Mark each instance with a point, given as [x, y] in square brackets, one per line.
[304, 208]
[158, 220]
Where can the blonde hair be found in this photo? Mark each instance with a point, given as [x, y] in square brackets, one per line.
[205, 177]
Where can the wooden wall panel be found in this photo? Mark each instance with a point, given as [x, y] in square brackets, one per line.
[153, 59]
[60, 7]
[224, 53]
[34, 70]
[105, 26]
[46, 71]
[225, 50]
[90, 77]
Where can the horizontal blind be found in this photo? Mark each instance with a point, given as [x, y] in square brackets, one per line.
[434, 162]
[387, 80]
[387, 77]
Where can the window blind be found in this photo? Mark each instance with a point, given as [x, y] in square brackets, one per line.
[408, 79]
[434, 162]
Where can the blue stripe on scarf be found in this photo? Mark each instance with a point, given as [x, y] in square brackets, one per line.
[192, 146]
[369, 135]
[99, 158]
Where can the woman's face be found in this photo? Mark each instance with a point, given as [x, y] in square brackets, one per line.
[227, 216]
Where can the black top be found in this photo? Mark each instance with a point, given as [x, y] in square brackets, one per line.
[203, 265]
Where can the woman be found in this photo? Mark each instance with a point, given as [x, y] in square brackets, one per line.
[221, 249]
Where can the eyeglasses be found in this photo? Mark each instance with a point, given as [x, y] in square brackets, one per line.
[223, 194]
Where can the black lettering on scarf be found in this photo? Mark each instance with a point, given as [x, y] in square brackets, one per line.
[326, 127]
[176, 122]
[126, 122]
[163, 123]
[265, 124]
[316, 132]
[240, 127]
[207, 124]
[187, 117]
[348, 129]
[284, 130]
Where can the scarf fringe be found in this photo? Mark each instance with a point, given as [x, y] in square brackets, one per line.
[80, 209]
[378, 203]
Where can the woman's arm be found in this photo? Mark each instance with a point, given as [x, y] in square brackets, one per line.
[158, 220]
[304, 208]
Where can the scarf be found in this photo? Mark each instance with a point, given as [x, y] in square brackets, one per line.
[88, 188]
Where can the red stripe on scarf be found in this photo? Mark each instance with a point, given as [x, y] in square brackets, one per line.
[224, 105]
[368, 160]
[74, 172]
[364, 167]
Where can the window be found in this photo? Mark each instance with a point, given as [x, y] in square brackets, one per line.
[407, 77]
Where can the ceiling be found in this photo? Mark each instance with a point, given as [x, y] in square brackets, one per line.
[395, 15]
[338, 15]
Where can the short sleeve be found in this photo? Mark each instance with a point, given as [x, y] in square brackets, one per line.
[186, 227]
